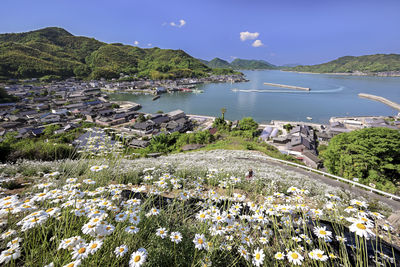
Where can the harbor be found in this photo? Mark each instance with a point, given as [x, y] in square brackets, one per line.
[288, 86]
[381, 99]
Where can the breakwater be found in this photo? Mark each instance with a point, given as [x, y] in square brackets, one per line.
[381, 99]
[288, 86]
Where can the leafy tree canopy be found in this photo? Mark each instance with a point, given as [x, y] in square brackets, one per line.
[372, 154]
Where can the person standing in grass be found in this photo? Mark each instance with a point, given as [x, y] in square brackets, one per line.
[249, 175]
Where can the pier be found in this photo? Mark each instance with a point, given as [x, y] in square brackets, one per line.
[288, 86]
[381, 99]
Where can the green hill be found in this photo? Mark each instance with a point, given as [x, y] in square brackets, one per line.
[239, 64]
[350, 64]
[251, 64]
[54, 51]
[218, 63]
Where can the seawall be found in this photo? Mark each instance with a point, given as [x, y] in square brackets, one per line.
[288, 86]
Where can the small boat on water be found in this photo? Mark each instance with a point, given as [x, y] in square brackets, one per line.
[235, 90]
[156, 97]
[197, 91]
[309, 118]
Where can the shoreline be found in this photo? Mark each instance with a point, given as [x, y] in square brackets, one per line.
[377, 74]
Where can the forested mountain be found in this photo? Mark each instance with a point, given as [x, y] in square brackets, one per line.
[239, 64]
[350, 64]
[56, 52]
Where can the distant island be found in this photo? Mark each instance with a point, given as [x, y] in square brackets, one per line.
[378, 64]
[54, 53]
[240, 64]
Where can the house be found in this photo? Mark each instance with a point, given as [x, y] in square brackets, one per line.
[37, 131]
[281, 140]
[143, 128]
[311, 160]
[135, 143]
[176, 114]
[300, 143]
[160, 119]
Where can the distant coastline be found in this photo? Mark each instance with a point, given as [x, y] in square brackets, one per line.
[357, 73]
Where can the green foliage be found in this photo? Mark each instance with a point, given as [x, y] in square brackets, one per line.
[220, 124]
[288, 127]
[219, 71]
[371, 154]
[251, 64]
[54, 51]
[218, 63]
[141, 118]
[238, 64]
[167, 143]
[348, 64]
[248, 124]
[5, 97]
[48, 146]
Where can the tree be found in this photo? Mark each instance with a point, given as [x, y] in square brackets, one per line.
[288, 127]
[141, 118]
[223, 110]
[248, 124]
[371, 154]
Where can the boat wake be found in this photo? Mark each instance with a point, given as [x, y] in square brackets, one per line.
[339, 89]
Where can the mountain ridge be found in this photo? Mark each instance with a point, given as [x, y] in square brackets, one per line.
[55, 52]
[375, 63]
[239, 64]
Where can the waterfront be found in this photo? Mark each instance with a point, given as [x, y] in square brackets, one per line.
[330, 95]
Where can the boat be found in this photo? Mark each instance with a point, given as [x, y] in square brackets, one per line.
[156, 97]
[197, 91]
[309, 118]
[235, 90]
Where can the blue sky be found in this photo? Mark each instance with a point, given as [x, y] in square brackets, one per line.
[279, 31]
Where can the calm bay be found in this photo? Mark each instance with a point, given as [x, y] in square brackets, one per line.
[330, 96]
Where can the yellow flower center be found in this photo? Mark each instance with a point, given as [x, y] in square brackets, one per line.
[121, 250]
[361, 226]
[200, 241]
[319, 255]
[161, 232]
[322, 232]
[295, 256]
[81, 250]
[137, 258]
[258, 256]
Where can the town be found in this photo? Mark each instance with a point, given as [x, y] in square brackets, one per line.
[68, 103]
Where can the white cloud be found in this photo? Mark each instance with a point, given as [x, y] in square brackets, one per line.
[257, 43]
[178, 25]
[136, 42]
[149, 44]
[248, 35]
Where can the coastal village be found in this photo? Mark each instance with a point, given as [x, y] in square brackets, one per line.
[67, 103]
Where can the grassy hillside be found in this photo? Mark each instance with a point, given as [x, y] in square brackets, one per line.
[349, 64]
[54, 51]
